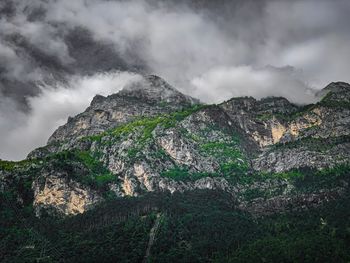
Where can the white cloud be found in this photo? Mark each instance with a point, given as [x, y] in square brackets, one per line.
[222, 83]
[21, 133]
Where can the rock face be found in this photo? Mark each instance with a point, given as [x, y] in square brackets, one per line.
[67, 197]
[336, 91]
[150, 96]
[299, 156]
[151, 138]
[258, 118]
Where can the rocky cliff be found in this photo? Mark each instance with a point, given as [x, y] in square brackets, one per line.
[150, 96]
[269, 154]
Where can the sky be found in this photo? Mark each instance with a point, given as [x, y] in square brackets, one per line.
[55, 55]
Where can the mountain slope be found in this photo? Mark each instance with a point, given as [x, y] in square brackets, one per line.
[150, 137]
[261, 158]
[150, 96]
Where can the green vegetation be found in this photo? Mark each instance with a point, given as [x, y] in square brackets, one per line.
[256, 192]
[81, 166]
[96, 175]
[12, 165]
[328, 101]
[121, 235]
[204, 227]
[335, 104]
[146, 125]
[286, 117]
[225, 149]
[304, 179]
[231, 162]
[306, 174]
[197, 226]
[142, 128]
[7, 165]
[265, 116]
[311, 180]
[314, 144]
[235, 169]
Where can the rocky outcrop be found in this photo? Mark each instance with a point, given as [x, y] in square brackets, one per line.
[203, 183]
[258, 118]
[285, 159]
[149, 96]
[64, 196]
[335, 91]
[184, 152]
[274, 120]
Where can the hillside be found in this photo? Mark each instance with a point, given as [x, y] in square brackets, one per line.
[245, 180]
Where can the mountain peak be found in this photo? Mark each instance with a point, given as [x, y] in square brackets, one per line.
[154, 89]
[149, 96]
[335, 91]
[335, 87]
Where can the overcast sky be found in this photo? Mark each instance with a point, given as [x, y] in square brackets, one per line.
[55, 55]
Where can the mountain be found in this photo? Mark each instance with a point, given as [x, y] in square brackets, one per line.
[151, 174]
[150, 96]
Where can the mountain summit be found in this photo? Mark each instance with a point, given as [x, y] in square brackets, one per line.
[149, 96]
[336, 92]
[154, 89]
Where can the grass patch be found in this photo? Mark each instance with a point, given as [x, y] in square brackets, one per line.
[13, 165]
[147, 125]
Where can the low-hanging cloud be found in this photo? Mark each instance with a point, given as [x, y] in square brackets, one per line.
[226, 82]
[208, 50]
[22, 132]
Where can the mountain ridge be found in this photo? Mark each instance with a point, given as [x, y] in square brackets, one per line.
[170, 142]
[207, 169]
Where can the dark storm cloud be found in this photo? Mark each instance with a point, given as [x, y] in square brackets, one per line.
[209, 49]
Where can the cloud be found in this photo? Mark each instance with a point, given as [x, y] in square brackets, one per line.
[14, 67]
[43, 36]
[175, 43]
[181, 43]
[22, 132]
[222, 83]
[310, 35]
[23, 41]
